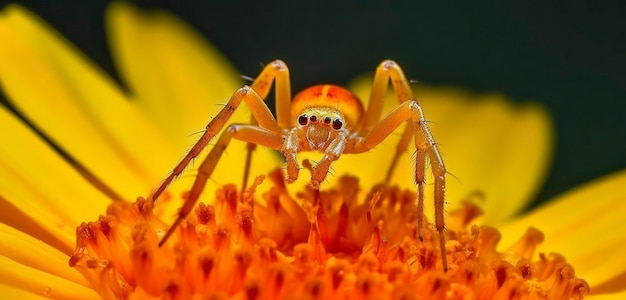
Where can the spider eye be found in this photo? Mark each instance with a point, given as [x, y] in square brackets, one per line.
[303, 119]
[313, 118]
[337, 124]
[326, 120]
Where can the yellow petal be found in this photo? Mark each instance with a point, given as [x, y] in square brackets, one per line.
[31, 223]
[611, 296]
[488, 144]
[10, 292]
[40, 184]
[180, 79]
[39, 282]
[40, 255]
[78, 106]
[586, 226]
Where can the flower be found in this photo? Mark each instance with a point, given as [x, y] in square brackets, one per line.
[278, 239]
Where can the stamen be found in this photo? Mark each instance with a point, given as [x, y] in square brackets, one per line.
[324, 244]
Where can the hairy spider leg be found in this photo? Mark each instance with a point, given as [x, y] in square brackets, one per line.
[278, 72]
[260, 112]
[244, 132]
[375, 131]
[261, 86]
[263, 129]
[387, 71]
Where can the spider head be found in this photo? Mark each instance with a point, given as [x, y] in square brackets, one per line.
[322, 112]
[339, 101]
[320, 125]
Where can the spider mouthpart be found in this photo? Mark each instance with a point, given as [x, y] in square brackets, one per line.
[337, 124]
[313, 118]
[303, 119]
[326, 120]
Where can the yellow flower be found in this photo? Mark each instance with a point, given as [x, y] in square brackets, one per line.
[112, 147]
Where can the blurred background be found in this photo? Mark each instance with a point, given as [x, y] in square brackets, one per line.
[571, 57]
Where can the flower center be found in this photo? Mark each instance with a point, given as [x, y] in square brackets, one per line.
[327, 244]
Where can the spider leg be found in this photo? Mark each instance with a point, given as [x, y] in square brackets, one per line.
[260, 112]
[277, 72]
[388, 71]
[290, 150]
[403, 144]
[248, 133]
[426, 147]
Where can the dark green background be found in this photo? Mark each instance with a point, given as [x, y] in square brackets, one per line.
[571, 57]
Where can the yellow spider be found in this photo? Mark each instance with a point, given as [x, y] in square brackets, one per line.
[324, 118]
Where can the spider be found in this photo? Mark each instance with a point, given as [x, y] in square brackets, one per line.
[324, 118]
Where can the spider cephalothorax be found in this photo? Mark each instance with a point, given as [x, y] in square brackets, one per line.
[324, 112]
